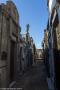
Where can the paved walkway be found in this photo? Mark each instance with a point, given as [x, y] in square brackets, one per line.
[34, 79]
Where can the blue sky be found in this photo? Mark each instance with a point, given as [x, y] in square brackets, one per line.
[33, 12]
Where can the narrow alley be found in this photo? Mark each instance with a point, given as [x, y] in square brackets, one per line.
[33, 79]
[29, 44]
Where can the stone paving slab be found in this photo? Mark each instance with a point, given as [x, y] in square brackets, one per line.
[34, 79]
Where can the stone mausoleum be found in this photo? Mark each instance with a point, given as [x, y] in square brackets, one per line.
[9, 29]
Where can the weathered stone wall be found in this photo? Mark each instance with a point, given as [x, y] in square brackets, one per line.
[7, 27]
[58, 36]
[0, 33]
[3, 78]
[3, 50]
[4, 35]
[58, 30]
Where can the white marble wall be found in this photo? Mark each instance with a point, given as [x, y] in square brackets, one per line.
[51, 5]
